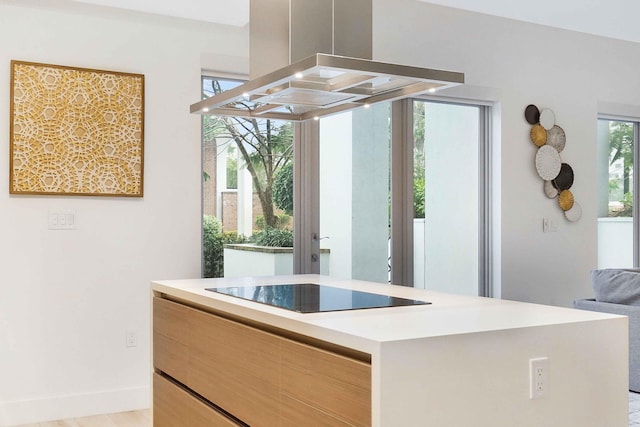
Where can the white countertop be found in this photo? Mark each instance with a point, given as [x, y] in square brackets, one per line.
[367, 329]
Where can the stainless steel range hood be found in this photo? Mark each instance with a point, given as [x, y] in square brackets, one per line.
[323, 83]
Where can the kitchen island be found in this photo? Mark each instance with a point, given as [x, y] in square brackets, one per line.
[459, 361]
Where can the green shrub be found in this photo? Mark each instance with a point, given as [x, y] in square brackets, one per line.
[282, 221]
[274, 237]
[418, 198]
[283, 189]
[213, 241]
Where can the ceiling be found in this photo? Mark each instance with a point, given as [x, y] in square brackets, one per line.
[610, 18]
[229, 12]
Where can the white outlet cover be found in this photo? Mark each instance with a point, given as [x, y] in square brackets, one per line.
[538, 377]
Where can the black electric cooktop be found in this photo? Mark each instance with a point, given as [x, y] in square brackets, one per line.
[312, 298]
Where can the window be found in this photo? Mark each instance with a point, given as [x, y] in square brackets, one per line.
[449, 175]
[355, 194]
[247, 190]
[354, 219]
[617, 142]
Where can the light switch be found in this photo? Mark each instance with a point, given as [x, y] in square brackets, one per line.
[62, 220]
[549, 225]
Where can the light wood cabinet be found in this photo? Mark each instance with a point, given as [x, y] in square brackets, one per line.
[258, 376]
[326, 381]
[173, 406]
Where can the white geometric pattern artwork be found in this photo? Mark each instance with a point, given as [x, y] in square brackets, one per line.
[76, 131]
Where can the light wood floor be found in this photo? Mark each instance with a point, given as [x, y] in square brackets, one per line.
[122, 419]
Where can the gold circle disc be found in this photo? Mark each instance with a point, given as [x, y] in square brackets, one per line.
[538, 135]
[565, 200]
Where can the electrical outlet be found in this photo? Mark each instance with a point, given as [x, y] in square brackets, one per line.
[131, 338]
[538, 377]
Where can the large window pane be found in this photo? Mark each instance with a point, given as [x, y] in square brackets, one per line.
[354, 194]
[247, 193]
[446, 199]
[615, 193]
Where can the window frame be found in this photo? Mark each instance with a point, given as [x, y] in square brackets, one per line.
[306, 212]
[485, 195]
[635, 120]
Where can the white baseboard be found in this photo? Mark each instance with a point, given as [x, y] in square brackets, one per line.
[74, 406]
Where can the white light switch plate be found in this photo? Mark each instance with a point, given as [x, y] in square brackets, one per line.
[62, 220]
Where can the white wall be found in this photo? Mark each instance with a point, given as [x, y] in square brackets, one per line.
[265, 262]
[67, 297]
[518, 64]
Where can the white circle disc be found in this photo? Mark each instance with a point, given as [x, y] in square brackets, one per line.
[548, 162]
[549, 190]
[547, 119]
[575, 213]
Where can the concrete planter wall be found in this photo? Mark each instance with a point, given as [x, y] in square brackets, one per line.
[615, 242]
[252, 260]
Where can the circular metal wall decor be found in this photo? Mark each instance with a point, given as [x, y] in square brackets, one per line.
[548, 162]
[575, 213]
[564, 180]
[549, 190]
[547, 119]
[558, 176]
[538, 135]
[556, 138]
[565, 200]
[532, 114]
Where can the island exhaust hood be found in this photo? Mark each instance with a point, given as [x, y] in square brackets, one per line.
[329, 42]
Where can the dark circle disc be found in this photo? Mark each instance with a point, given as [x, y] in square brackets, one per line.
[532, 114]
[564, 180]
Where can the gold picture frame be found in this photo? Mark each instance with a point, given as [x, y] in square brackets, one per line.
[75, 131]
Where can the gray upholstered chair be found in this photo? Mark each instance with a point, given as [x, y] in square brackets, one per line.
[617, 291]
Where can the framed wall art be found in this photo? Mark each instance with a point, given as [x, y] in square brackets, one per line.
[75, 131]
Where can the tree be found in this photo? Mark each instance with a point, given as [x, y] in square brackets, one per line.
[283, 189]
[621, 146]
[265, 145]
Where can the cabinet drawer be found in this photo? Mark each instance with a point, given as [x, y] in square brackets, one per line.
[170, 319]
[170, 329]
[329, 382]
[259, 377]
[173, 407]
[235, 366]
[295, 414]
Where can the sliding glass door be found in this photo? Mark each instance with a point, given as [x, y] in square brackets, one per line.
[447, 197]
[450, 172]
[354, 194]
